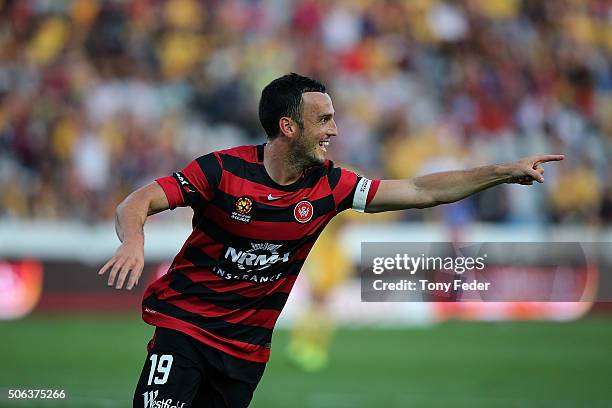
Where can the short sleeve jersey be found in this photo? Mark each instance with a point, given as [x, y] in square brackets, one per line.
[229, 282]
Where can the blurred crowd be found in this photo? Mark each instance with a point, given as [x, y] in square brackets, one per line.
[100, 97]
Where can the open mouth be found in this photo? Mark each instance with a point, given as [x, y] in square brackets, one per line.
[323, 145]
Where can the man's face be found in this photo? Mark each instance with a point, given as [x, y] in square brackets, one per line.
[310, 145]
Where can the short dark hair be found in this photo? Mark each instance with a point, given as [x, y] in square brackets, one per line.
[283, 97]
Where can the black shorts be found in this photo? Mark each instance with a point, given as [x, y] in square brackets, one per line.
[181, 372]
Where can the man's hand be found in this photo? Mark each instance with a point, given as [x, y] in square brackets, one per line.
[128, 257]
[528, 170]
[450, 186]
[129, 222]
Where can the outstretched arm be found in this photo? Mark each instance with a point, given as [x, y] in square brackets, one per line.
[129, 222]
[451, 186]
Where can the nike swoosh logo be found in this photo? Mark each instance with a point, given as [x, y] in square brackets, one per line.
[272, 198]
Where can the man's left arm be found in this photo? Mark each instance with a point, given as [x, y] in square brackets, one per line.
[450, 186]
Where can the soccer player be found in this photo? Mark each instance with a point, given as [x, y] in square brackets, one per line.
[257, 212]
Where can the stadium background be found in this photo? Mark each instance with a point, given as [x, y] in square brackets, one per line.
[99, 97]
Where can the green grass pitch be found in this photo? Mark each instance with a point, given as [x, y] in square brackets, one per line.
[96, 359]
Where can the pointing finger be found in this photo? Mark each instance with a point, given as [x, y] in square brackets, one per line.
[548, 158]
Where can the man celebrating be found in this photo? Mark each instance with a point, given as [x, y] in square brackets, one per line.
[258, 211]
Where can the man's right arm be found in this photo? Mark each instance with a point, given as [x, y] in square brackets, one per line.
[130, 218]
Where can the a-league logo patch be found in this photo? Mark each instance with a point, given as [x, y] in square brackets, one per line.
[244, 205]
[242, 208]
[303, 211]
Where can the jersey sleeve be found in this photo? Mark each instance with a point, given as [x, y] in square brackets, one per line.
[351, 190]
[195, 184]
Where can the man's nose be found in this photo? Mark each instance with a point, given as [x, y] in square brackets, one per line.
[333, 130]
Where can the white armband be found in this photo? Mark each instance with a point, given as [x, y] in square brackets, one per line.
[361, 194]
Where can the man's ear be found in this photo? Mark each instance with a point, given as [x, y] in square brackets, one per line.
[287, 126]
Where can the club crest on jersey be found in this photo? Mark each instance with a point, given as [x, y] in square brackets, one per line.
[303, 211]
[242, 209]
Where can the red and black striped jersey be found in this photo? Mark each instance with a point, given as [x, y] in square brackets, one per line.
[229, 282]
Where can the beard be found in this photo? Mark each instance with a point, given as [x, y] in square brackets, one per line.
[303, 153]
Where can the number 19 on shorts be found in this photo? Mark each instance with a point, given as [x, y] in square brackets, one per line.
[160, 368]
